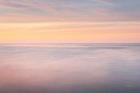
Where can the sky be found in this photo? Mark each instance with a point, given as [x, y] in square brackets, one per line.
[69, 21]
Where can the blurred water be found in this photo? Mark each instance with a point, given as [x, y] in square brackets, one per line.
[70, 68]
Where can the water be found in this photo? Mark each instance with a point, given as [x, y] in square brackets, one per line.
[70, 68]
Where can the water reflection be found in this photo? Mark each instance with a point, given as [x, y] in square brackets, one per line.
[88, 69]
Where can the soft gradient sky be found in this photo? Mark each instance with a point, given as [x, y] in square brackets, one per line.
[69, 21]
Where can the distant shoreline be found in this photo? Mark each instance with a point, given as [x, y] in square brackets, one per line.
[70, 44]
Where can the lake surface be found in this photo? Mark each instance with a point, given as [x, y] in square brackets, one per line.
[70, 68]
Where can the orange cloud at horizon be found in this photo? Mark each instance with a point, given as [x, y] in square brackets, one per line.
[105, 32]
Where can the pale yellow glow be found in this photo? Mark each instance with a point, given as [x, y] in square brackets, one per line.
[70, 32]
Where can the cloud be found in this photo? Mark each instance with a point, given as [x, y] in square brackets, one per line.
[25, 7]
[74, 10]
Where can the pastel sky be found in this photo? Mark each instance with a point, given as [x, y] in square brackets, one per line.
[69, 21]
